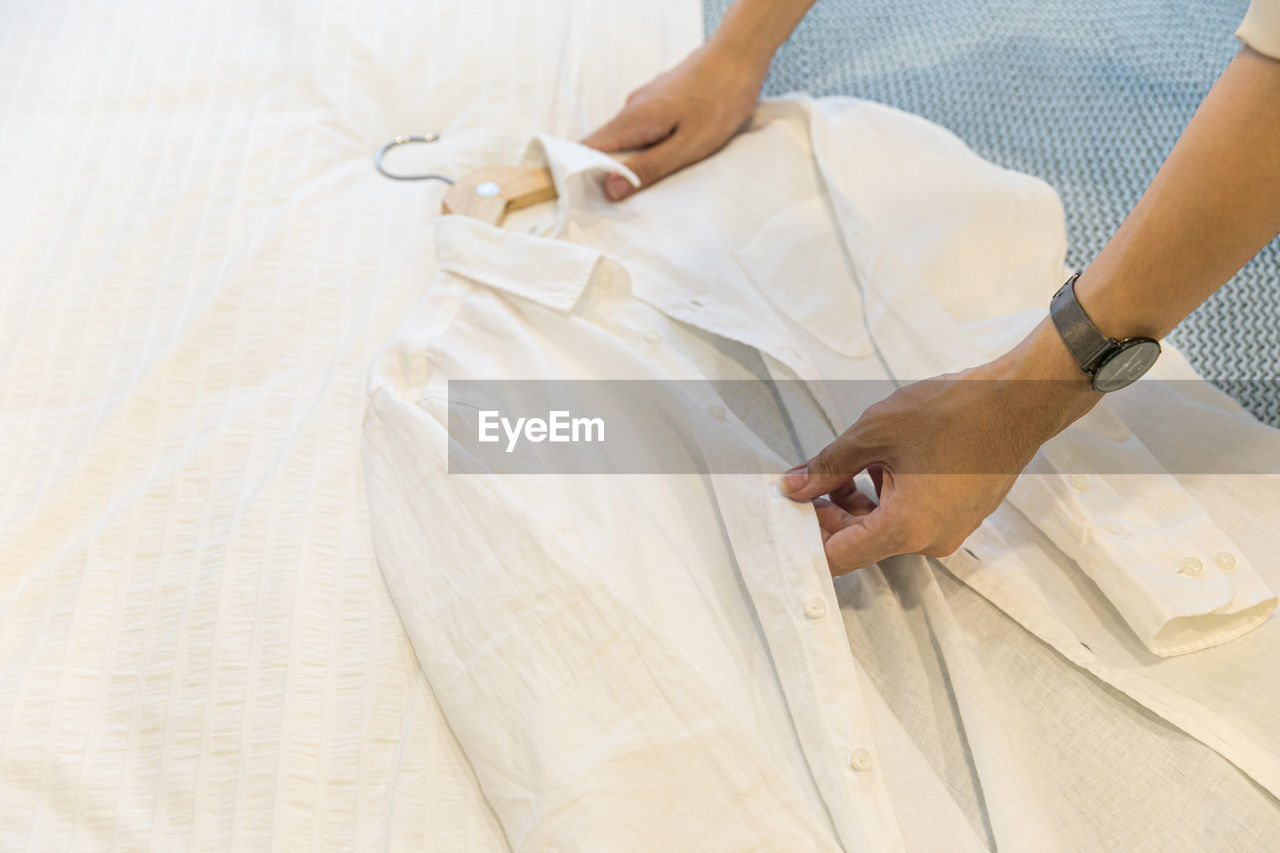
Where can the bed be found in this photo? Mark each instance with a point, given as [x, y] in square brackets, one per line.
[197, 260]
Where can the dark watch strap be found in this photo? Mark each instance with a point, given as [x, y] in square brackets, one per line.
[1081, 336]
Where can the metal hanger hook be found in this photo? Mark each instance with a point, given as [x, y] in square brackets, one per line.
[401, 140]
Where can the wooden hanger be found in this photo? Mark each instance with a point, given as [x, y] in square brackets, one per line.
[488, 194]
[485, 194]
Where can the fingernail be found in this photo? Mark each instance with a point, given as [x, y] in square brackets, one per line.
[794, 480]
[616, 187]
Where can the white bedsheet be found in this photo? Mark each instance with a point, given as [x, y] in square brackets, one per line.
[197, 260]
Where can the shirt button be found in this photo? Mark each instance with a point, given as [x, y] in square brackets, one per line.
[652, 336]
[860, 760]
[1080, 482]
[1225, 561]
[1191, 567]
[717, 411]
[815, 608]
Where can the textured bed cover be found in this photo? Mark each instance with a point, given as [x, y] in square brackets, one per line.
[197, 261]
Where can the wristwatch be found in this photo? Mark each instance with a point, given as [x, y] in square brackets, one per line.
[1110, 363]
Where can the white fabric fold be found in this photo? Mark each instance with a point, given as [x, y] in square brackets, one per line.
[497, 258]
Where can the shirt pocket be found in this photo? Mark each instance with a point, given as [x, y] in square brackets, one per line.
[797, 262]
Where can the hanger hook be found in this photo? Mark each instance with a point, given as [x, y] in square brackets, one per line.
[401, 140]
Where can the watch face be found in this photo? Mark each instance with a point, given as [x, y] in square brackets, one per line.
[1133, 358]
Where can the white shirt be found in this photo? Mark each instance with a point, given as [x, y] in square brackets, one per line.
[1260, 28]
[636, 661]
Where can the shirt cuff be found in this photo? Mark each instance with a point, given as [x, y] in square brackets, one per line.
[1174, 576]
[1260, 28]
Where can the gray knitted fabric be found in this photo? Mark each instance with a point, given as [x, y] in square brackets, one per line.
[1090, 96]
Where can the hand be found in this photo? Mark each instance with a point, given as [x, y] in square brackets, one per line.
[681, 116]
[942, 454]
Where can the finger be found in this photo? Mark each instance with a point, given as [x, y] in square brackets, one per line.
[851, 499]
[832, 518]
[831, 469]
[655, 163]
[884, 532]
[855, 502]
[633, 127]
[842, 491]
[867, 539]
[876, 471]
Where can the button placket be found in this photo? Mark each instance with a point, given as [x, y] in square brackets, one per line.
[824, 677]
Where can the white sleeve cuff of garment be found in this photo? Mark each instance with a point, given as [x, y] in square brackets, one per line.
[1175, 577]
[1260, 28]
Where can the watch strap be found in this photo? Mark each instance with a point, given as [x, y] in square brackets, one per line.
[1087, 344]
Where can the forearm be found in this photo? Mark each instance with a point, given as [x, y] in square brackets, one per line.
[1213, 204]
[755, 29]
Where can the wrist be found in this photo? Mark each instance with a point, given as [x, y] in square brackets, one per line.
[739, 56]
[751, 31]
[1043, 382]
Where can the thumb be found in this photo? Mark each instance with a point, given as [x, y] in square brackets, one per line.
[834, 466]
[654, 164]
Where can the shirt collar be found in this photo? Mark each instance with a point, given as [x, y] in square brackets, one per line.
[560, 269]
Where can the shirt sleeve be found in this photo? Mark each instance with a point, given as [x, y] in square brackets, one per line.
[1176, 578]
[1260, 28]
